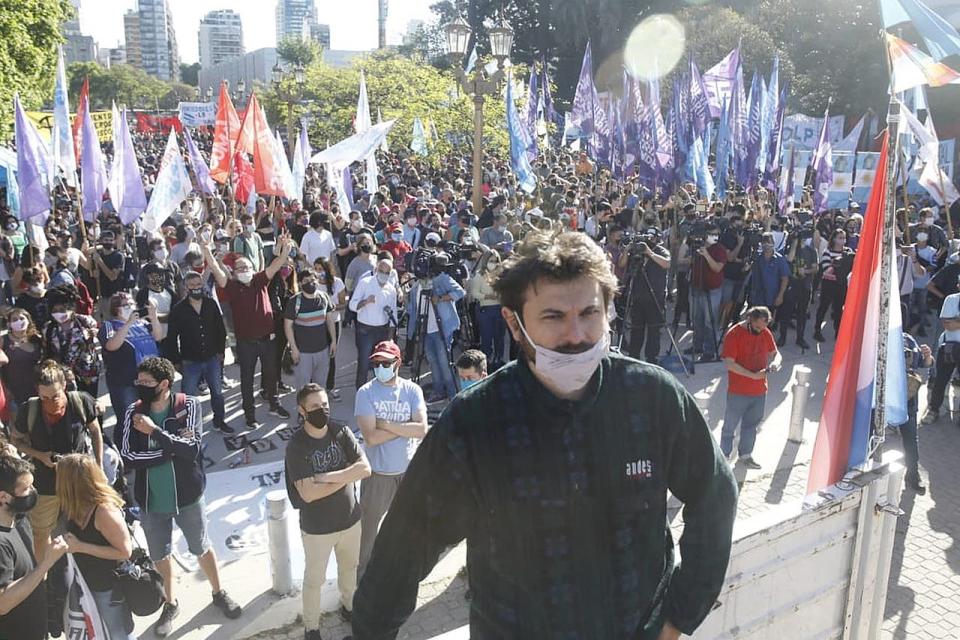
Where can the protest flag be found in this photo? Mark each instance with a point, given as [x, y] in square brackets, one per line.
[64, 153]
[172, 186]
[224, 136]
[33, 168]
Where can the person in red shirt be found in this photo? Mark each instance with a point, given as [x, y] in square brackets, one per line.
[750, 352]
[397, 246]
[706, 282]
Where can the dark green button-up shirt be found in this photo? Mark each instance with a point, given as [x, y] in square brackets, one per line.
[563, 506]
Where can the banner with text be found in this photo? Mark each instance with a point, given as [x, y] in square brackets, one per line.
[102, 121]
[198, 114]
[804, 131]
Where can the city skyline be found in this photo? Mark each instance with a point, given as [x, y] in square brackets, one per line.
[353, 26]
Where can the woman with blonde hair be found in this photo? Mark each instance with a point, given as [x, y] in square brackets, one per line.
[96, 535]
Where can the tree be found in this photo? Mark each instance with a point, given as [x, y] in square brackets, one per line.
[190, 74]
[121, 83]
[402, 89]
[28, 51]
[294, 50]
[178, 92]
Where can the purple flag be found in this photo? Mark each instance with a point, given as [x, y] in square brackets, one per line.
[200, 168]
[549, 113]
[126, 183]
[719, 79]
[699, 105]
[747, 163]
[647, 149]
[33, 169]
[586, 113]
[822, 167]
[91, 166]
[776, 142]
[738, 122]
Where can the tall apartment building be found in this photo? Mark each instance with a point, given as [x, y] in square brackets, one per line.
[149, 33]
[221, 37]
[298, 19]
[77, 47]
[320, 33]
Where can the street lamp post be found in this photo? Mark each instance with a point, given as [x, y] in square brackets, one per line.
[479, 86]
[291, 96]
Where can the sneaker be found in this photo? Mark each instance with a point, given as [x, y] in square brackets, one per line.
[930, 416]
[312, 634]
[226, 604]
[818, 337]
[223, 427]
[346, 614]
[335, 394]
[750, 463]
[283, 387]
[277, 409]
[229, 383]
[165, 621]
[253, 424]
[916, 484]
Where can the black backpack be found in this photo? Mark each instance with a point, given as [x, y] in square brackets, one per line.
[140, 582]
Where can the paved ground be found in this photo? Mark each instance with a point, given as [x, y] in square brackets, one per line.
[924, 593]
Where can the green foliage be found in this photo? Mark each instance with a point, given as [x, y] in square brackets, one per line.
[122, 83]
[402, 89]
[296, 51]
[28, 52]
[190, 74]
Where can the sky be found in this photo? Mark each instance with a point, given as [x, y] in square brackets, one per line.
[353, 24]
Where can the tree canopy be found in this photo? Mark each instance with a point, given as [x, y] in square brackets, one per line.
[121, 83]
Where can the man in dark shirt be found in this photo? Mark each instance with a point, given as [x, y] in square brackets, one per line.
[253, 324]
[647, 266]
[556, 471]
[23, 593]
[197, 340]
[321, 466]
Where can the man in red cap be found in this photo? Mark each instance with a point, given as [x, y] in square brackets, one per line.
[397, 246]
[392, 416]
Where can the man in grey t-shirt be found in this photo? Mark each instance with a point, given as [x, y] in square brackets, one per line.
[392, 416]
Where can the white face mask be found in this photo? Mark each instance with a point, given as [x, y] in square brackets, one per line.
[711, 240]
[921, 237]
[808, 242]
[20, 324]
[928, 221]
[61, 316]
[567, 372]
[160, 255]
[245, 276]
[124, 312]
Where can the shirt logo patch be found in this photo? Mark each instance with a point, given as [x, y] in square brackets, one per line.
[640, 469]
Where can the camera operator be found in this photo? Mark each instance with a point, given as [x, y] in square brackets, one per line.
[770, 275]
[646, 262]
[803, 267]
[706, 280]
[733, 239]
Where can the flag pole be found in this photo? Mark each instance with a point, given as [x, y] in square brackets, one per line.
[889, 221]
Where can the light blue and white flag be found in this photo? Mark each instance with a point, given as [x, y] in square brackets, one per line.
[419, 142]
[519, 142]
[172, 187]
[62, 135]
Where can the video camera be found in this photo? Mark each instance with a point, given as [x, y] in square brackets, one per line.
[697, 235]
[636, 243]
[426, 262]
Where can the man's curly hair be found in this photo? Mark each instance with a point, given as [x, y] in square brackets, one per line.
[65, 294]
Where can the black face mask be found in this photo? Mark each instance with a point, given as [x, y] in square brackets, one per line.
[366, 248]
[146, 394]
[196, 294]
[310, 288]
[318, 417]
[23, 504]
[107, 248]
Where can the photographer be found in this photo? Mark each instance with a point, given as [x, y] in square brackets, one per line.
[802, 258]
[836, 263]
[734, 240]
[646, 262]
[770, 273]
[706, 280]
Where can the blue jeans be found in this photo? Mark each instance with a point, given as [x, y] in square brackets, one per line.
[115, 616]
[211, 370]
[745, 412]
[918, 309]
[121, 397]
[436, 348]
[491, 326]
[706, 318]
[367, 336]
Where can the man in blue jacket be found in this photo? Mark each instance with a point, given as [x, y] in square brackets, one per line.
[160, 440]
[444, 294]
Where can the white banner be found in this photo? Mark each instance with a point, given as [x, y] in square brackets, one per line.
[804, 131]
[354, 148]
[198, 114]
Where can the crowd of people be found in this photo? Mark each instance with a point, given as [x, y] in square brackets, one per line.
[99, 307]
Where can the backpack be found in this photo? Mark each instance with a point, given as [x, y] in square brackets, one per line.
[84, 299]
[140, 582]
[179, 410]
[75, 402]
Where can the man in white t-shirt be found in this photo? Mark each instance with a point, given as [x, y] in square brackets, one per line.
[317, 242]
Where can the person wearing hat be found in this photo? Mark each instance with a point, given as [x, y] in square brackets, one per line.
[375, 302]
[392, 416]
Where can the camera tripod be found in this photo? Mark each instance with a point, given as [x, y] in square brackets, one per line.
[626, 322]
[698, 266]
[425, 305]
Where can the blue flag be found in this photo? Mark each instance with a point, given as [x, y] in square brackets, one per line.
[34, 168]
[519, 162]
[747, 163]
[769, 112]
[587, 113]
[61, 138]
[938, 34]
[94, 175]
[472, 60]
[419, 142]
[776, 141]
[647, 168]
[699, 105]
[548, 111]
[724, 146]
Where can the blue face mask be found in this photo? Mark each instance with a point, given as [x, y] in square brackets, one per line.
[466, 384]
[384, 373]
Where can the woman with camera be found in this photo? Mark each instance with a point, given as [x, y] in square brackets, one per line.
[97, 536]
[836, 263]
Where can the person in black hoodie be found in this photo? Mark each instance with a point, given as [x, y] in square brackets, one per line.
[160, 441]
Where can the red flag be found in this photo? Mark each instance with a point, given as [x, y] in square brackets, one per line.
[846, 417]
[242, 177]
[247, 134]
[225, 132]
[266, 177]
[78, 119]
